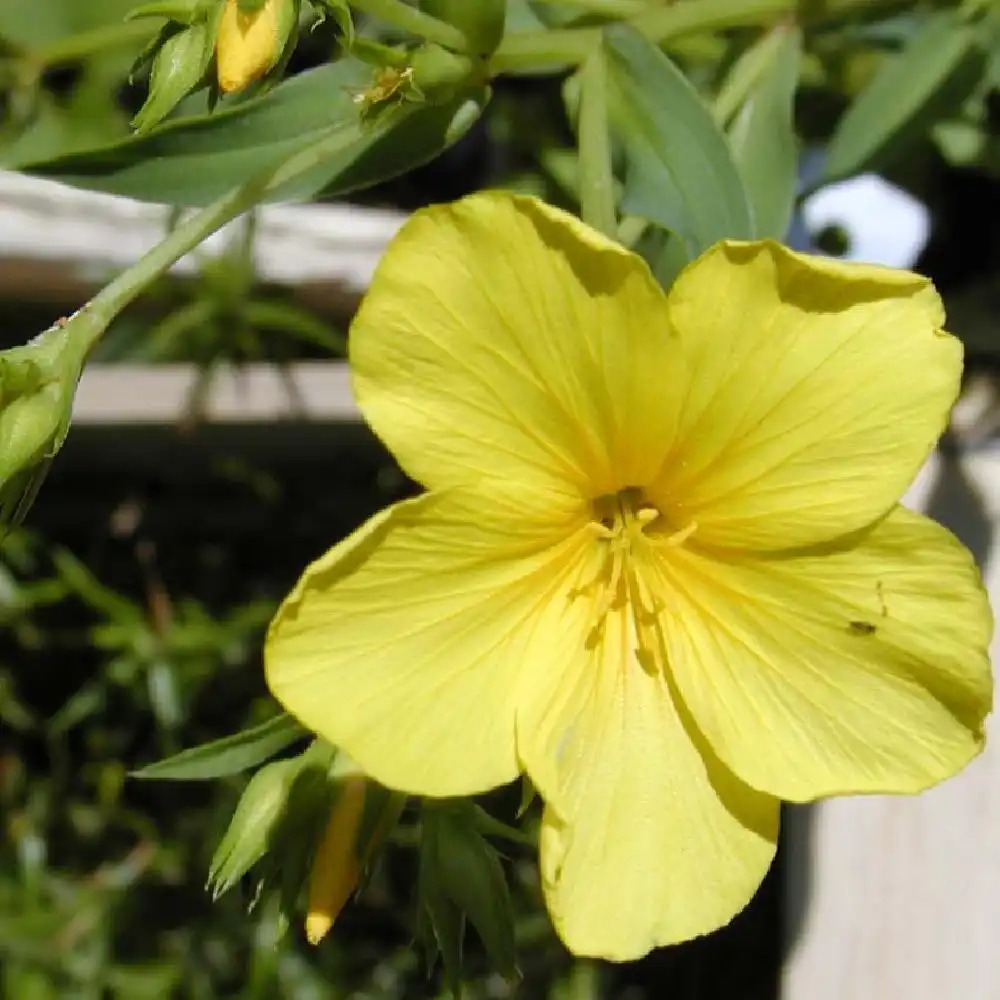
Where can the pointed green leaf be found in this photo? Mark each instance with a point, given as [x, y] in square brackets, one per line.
[230, 755]
[468, 870]
[933, 74]
[679, 170]
[195, 160]
[763, 140]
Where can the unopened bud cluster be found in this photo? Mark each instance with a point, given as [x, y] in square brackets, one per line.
[228, 45]
[314, 821]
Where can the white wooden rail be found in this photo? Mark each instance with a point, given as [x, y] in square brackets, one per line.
[64, 242]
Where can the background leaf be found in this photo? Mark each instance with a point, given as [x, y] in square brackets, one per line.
[936, 70]
[679, 172]
[195, 160]
[763, 140]
[31, 24]
[230, 755]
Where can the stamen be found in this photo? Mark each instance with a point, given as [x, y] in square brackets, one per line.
[646, 515]
[681, 536]
[624, 577]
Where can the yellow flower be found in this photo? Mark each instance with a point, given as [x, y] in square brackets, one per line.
[250, 43]
[660, 565]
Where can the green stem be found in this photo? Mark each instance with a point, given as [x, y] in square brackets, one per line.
[406, 18]
[597, 182]
[96, 315]
[538, 51]
[541, 51]
[744, 76]
[86, 43]
[613, 9]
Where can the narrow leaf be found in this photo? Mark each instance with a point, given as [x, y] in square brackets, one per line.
[934, 73]
[597, 181]
[763, 140]
[195, 160]
[679, 172]
[230, 755]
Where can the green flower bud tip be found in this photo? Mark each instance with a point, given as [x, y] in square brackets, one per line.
[246, 840]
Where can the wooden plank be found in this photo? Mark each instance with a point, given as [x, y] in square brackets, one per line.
[61, 244]
[111, 395]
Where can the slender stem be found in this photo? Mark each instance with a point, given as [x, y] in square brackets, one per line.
[128, 285]
[712, 15]
[597, 182]
[541, 51]
[97, 314]
[744, 75]
[615, 9]
[406, 18]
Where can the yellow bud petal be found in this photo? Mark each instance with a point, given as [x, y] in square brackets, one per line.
[250, 43]
[336, 868]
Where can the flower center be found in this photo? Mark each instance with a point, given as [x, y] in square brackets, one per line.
[627, 580]
[620, 519]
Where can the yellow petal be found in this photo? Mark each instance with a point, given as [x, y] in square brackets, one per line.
[646, 839]
[858, 669]
[396, 645]
[248, 44]
[503, 337]
[812, 392]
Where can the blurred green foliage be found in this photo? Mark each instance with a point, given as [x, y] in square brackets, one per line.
[107, 668]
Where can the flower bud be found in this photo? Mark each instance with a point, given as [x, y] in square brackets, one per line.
[179, 67]
[252, 38]
[438, 75]
[37, 385]
[251, 830]
[336, 868]
[481, 21]
[362, 816]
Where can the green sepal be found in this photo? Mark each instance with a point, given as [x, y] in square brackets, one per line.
[178, 68]
[458, 864]
[251, 830]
